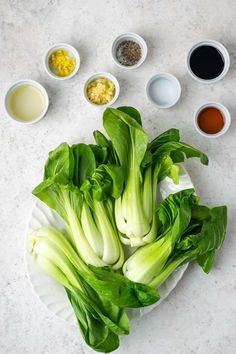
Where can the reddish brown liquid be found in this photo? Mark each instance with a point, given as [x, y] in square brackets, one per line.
[211, 120]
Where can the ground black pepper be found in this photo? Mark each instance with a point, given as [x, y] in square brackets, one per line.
[128, 53]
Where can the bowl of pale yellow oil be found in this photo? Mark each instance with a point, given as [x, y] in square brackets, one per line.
[26, 102]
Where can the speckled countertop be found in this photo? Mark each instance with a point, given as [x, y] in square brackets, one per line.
[200, 314]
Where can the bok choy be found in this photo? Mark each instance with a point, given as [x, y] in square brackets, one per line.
[98, 295]
[188, 231]
[106, 193]
[83, 192]
[144, 165]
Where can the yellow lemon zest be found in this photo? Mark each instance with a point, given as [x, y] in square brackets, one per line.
[62, 62]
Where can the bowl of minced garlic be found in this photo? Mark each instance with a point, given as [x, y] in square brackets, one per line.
[62, 61]
[101, 89]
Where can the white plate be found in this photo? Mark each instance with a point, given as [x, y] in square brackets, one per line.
[52, 294]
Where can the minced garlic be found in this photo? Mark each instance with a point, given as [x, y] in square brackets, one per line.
[62, 62]
[101, 90]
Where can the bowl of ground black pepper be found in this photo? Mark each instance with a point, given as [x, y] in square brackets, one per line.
[129, 50]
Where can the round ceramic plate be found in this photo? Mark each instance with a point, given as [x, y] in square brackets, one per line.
[52, 294]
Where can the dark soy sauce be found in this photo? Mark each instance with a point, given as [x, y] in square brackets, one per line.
[206, 62]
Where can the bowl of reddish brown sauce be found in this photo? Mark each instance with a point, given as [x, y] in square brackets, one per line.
[212, 119]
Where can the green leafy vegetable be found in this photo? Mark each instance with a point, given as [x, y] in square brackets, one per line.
[188, 232]
[107, 194]
[98, 296]
[147, 261]
[144, 165]
[81, 192]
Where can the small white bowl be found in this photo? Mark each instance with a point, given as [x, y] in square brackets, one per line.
[221, 48]
[72, 52]
[108, 76]
[163, 90]
[129, 36]
[222, 109]
[20, 83]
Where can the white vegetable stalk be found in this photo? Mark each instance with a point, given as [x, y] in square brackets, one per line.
[147, 261]
[147, 195]
[52, 260]
[53, 271]
[60, 241]
[112, 250]
[135, 210]
[82, 245]
[165, 273]
[91, 231]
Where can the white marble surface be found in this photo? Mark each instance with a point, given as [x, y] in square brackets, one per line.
[200, 314]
